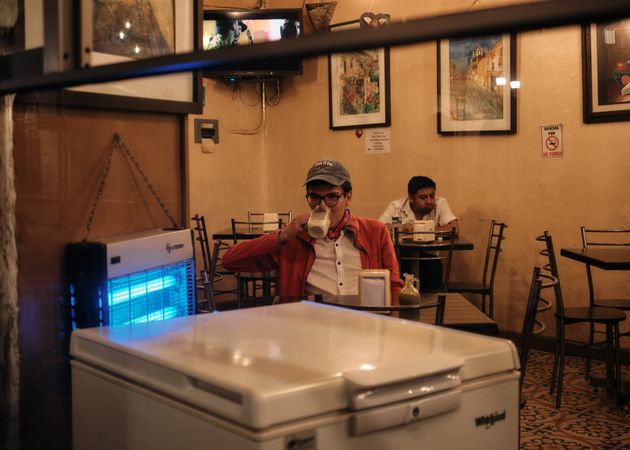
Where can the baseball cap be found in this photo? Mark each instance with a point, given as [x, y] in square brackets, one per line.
[328, 170]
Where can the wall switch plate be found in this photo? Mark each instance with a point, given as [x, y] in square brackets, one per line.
[206, 129]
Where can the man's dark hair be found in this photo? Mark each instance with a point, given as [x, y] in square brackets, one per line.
[419, 182]
[346, 186]
[224, 26]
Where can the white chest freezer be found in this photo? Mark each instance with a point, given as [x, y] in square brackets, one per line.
[292, 377]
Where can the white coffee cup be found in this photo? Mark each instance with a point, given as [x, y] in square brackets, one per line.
[318, 223]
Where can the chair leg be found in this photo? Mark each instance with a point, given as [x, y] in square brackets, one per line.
[591, 340]
[617, 362]
[556, 357]
[610, 382]
[241, 289]
[560, 369]
[491, 301]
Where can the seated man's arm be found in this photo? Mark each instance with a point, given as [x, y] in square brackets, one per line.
[389, 212]
[261, 254]
[252, 256]
[449, 226]
[447, 219]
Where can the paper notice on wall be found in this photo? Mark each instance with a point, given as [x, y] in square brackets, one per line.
[377, 140]
[551, 141]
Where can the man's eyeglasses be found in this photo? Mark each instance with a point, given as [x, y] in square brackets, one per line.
[330, 200]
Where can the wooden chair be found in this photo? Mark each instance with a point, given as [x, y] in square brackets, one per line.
[609, 317]
[529, 322]
[249, 283]
[259, 218]
[604, 238]
[485, 287]
[406, 250]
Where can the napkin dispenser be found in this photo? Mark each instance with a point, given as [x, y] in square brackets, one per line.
[428, 230]
[374, 287]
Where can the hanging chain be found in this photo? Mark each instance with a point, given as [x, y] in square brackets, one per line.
[99, 191]
[121, 145]
[118, 144]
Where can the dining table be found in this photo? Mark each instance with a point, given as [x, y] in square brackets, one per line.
[609, 258]
[243, 233]
[459, 313]
[606, 258]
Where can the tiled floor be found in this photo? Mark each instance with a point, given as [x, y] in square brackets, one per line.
[587, 419]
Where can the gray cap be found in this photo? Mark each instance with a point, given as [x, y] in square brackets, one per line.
[328, 170]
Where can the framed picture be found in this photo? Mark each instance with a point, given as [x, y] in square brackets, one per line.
[358, 87]
[606, 71]
[12, 28]
[124, 30]
[476, 85]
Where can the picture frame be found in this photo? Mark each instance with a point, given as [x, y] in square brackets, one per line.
[358, 86]
[606, 71]
[172, 93]
[476, 85]
[177, 93]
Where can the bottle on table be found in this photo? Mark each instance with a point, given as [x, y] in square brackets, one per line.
[409, 295]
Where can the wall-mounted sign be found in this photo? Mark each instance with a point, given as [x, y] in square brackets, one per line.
[551, 141]
[376, 140]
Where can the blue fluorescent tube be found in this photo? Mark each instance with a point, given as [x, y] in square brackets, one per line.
[166, 313]
[140, 289]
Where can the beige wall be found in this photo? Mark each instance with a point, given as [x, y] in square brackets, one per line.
[484, 178]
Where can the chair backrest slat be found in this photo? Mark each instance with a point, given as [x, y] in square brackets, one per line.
[238, 225]
[202, 238]
[601, 237]
[493, 251]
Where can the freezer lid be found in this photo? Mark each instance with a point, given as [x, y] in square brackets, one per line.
[269, 365]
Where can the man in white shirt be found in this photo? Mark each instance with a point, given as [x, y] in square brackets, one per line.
[420, 204]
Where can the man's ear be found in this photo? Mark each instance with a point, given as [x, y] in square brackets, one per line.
[349, 196]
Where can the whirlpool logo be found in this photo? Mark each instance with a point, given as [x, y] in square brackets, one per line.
[490, 419]
[171, 248]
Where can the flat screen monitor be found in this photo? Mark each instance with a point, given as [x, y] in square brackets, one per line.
[223, 28]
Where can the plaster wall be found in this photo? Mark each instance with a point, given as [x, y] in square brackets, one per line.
[483, 177]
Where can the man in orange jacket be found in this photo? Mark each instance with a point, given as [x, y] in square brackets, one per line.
[330, 265]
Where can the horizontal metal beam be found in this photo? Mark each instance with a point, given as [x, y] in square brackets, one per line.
[481, 22]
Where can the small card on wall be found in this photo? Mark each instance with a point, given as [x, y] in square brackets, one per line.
[377, 140]
[551, 141]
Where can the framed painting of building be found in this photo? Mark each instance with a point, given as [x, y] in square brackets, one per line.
[358, 87]
[476, 85]
[606, 71]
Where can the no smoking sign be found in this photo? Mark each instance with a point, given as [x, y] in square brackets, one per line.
[551, 141]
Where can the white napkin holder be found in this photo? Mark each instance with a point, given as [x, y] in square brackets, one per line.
[428, 229]
[374, 287]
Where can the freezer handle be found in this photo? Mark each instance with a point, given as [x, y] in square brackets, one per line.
[389, 416]
[423, 387]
